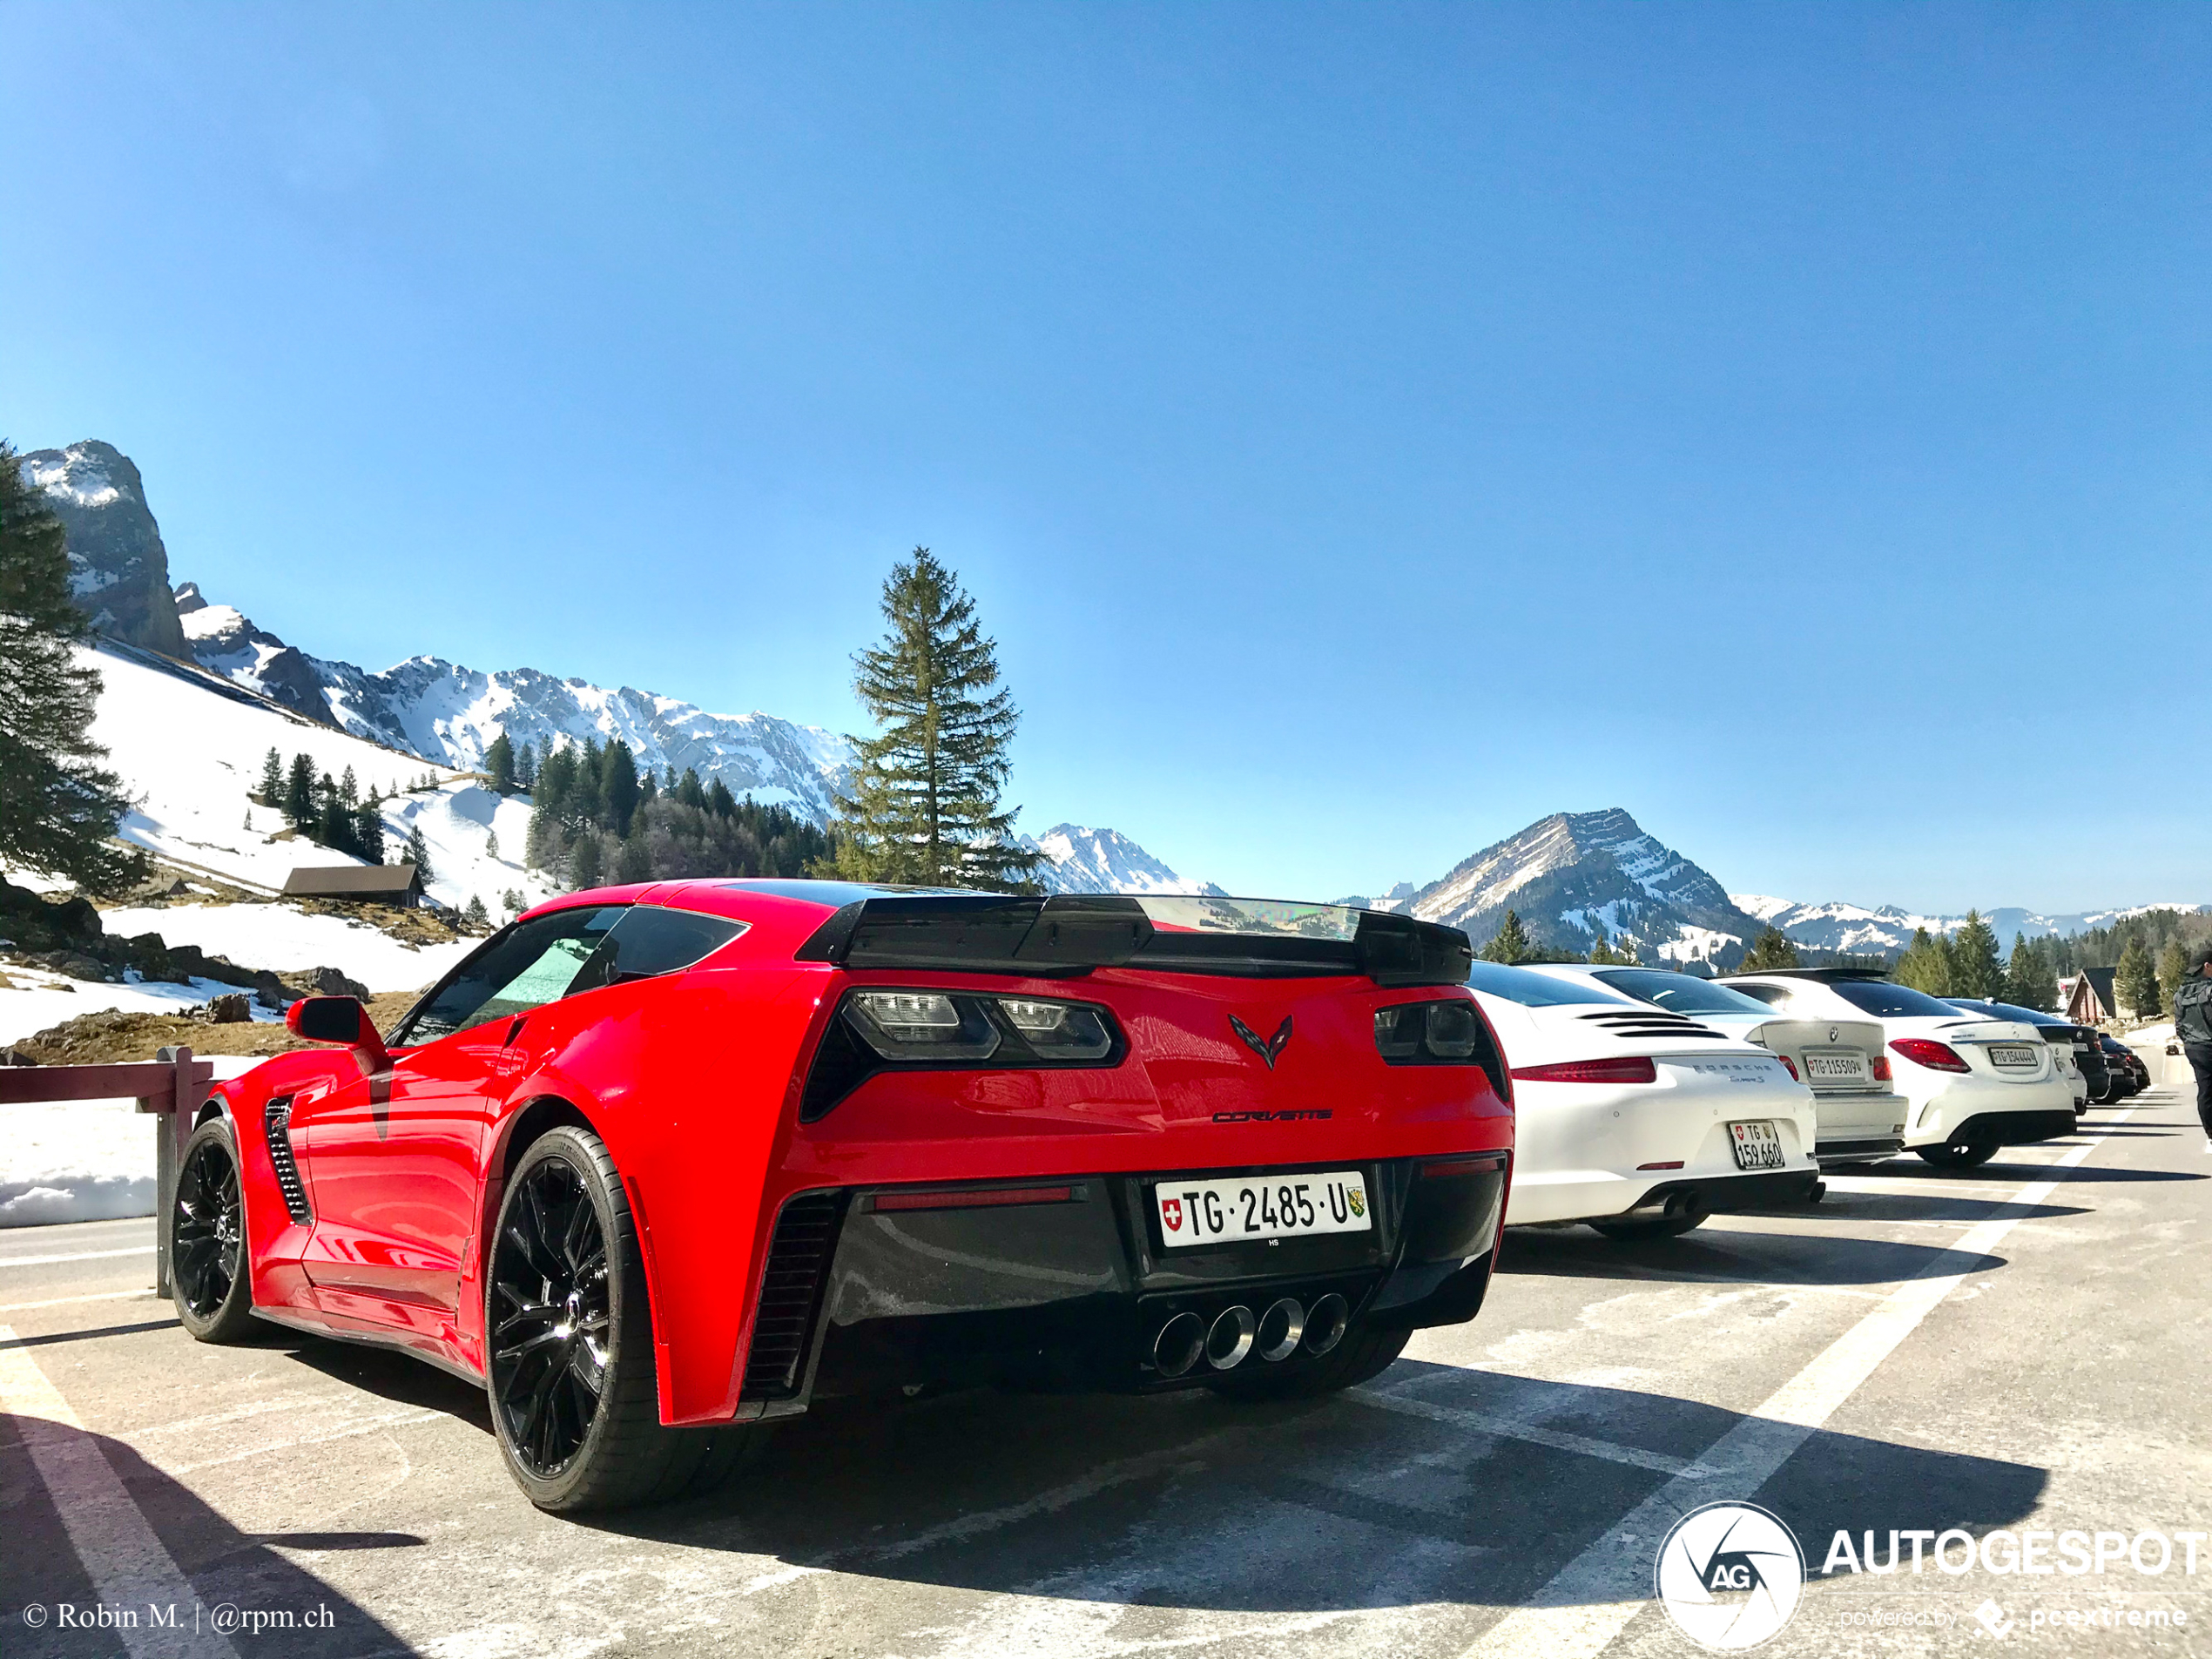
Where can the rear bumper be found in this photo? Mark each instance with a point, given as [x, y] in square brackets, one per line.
[1734, 1195]
[1072, 1294]
[2017, 1128]
[1859, 1151]
[2000, 1108]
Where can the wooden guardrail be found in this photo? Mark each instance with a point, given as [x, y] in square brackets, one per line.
[173, 1087]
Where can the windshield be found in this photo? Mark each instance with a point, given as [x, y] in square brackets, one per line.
[1682, 993]
[1887, 1001]
[1534, 990]
[1278, 918]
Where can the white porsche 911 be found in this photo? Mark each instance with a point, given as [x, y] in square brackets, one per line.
[1975, 1084]
[1840, 1058]
[1636, 1121]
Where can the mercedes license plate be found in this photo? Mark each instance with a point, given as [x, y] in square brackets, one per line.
[1755, 1145]
[2012, 1059]
[1835, 1066]
[1263, 1206]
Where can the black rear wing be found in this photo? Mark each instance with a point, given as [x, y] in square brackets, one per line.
[1074, 933]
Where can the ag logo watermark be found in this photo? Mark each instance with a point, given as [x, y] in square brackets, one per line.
[1730, 1576]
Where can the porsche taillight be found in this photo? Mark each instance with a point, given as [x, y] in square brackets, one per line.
[1626, 1069]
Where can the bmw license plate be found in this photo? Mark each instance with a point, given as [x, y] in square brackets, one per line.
[1261, 1206]
[2012, 1059]
[1755, 1145]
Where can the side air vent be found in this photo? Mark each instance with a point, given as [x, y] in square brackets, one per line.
[791, 1293]
[1626, 1024]
[276, 1124]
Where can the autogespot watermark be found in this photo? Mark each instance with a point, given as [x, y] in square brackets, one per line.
[1731, 1576]
[226, 1617]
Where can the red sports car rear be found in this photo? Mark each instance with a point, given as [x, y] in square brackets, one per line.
[659, 1164]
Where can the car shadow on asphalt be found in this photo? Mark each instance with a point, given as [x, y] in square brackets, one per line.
[40, 1568]
[1434, 1485]
[1722, 1253]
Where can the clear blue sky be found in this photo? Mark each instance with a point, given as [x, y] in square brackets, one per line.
[1366, 430]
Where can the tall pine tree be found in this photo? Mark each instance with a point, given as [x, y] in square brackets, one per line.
[1510, 943]
[2029, 983]
[58, 806]
[924, 806]
[418, 854]
[2136, 980]
[1974, 970]
[272, 779]
[499, 764]
[1771, 949]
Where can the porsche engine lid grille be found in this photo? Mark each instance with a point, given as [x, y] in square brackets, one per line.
[1654, 1022]
[791, 1293]
[276, 1125]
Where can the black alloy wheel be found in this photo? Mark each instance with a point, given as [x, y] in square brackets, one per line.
[207, 1267]
[553, 1323]
[574, 1396]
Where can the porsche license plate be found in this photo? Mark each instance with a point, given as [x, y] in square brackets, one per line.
[1263, 1206]
[2007, 1059]
[1755, 1145]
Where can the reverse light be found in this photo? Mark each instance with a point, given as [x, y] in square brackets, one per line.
[1059, 1030]
[1627, 1068]
[1926, 1051]
[922, 1025]
[1411, 1033]
[1882, 1071]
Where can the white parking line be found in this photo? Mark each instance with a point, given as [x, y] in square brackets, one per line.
[1505, 1428]
[78, 1256]
[126, 1562]
[72, 1301]
[1590, 1601]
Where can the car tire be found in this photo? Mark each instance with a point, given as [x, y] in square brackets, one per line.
[564, 1304]
[210, 1279]
[1959, 1154]
[1364, 1352]
[1643, 1231]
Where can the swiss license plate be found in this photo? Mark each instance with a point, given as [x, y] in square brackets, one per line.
[1261, 1206]
[1755, 1145]
[2012, 1059]
[1837, 1066]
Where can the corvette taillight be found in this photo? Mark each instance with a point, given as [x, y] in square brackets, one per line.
[1627, 1068]
[877, 1030]
[1447, 1032]
[1925, 1051]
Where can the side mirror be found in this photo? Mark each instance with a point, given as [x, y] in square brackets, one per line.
[339, 1019]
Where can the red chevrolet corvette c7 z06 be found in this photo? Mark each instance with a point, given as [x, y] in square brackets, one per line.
[658, 1164]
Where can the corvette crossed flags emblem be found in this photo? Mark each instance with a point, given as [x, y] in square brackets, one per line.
[1267, 1050]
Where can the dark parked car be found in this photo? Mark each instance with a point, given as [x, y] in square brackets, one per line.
[2126, 1064]
[2096, 1073]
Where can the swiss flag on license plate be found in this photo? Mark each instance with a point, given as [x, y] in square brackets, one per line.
[1171, 1214]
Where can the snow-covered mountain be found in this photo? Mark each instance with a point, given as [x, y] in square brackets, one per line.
[450, 714]
[1568, 874]
[1838, 926]
[1104, 860]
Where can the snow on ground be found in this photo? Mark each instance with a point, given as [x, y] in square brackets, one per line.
[190, 748]
[34, 999]
[82, 1160]
[283, 938]
[1695, 944]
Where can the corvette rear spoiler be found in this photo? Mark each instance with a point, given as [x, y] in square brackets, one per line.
[1074, 933]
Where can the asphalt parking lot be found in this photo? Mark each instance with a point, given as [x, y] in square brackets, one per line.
[2022, 1347]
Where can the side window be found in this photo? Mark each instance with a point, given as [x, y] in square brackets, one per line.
[532, 963]
[648, 942]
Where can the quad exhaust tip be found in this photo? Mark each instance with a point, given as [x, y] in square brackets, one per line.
[1230, 1337]
[1324, 1323]
[1236, 1332]
[1182, 1339]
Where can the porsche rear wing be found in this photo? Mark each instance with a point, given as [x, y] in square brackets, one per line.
[1074, 933]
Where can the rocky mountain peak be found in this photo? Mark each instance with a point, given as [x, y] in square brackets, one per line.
[118, 569]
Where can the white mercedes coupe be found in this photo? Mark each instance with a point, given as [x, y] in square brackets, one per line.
[1974, 1083]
